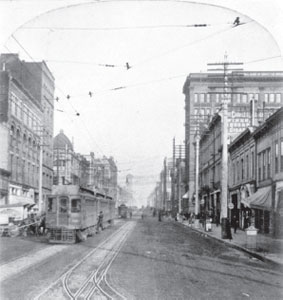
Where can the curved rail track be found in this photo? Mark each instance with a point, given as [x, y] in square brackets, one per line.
[87, 279]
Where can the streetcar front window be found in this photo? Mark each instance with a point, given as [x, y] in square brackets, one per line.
[76, 205]
[63, 204]
[51, 205]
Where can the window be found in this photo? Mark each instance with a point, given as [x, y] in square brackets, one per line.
[208, 98]
[51, 204]
[201, 98]
[252, 164]
[268, 162]
[266, 98]
[217, 98]
[244, 98]
[196, 98]
[276, 157]
[238, 96]
[63, 205]
[238, 171]
[75, 205]
[263, 165]
[242, 169]
[259, 167]
[278, 98]
[247, 166]
[271, 98]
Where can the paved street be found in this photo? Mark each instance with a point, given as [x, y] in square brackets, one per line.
[135, 259]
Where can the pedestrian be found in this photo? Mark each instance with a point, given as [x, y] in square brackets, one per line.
[99, 222]
[159, 216]
[235, 223]
[228, 230]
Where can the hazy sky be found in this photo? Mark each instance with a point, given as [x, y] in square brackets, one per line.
[134, 114]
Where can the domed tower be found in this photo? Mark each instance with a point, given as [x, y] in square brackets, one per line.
[63, 151]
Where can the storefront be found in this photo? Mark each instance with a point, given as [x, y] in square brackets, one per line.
[260, 204]
[279, 210]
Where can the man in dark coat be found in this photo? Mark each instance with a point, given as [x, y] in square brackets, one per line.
[99, 222]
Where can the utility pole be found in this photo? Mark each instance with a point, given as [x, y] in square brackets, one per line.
[165, 184]
[197, 179]
[40, 175]
[180, 180]
[173, 200]
[224, 132]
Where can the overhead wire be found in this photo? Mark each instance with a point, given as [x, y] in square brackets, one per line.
[77, 113]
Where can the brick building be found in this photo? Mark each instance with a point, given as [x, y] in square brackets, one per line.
[267, 202]
[203, 97]
[69, 167]
[29, 98]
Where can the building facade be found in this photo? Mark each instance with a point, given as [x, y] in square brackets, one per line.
[69, 167]
[242, 175]
[203, 97]
[266, 203]
[31, 97]
[21, 115]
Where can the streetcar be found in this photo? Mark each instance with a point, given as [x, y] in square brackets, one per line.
[72, 213]
[123, 211]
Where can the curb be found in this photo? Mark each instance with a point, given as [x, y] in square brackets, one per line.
[235, 246]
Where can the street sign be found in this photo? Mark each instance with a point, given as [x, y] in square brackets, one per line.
[230, 205]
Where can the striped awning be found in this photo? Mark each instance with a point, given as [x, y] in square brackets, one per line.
[261, 199]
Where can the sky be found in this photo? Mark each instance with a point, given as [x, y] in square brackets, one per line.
[134, 114]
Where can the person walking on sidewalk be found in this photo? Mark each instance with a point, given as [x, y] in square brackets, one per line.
[228, 230]
[99, 222]
[235, 223]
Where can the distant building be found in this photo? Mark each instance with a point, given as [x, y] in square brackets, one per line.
[69, 167]
[203, 97]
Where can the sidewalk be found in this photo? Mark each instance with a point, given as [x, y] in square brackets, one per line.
[267, 248]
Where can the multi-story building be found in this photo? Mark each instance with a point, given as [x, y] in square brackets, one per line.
[69, 167]
[203, 97]
[255, 174]
[21, 114]
[36, 79]
[267, 202]
[242, 175]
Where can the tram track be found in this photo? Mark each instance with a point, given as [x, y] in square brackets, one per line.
[87, 279]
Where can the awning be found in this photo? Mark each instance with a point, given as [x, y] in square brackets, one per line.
[186, 196]
[261, 199]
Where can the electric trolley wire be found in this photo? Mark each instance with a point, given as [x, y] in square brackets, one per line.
[188, 44]
[68, 97]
